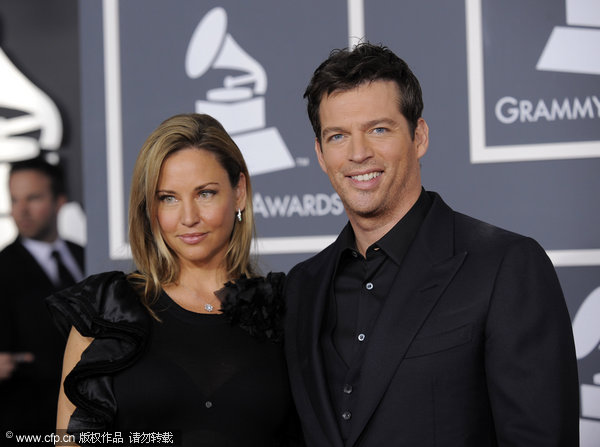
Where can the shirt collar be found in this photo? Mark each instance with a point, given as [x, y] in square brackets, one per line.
[40, 248]
[395, 242]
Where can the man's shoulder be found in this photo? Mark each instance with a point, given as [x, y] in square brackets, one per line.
[476, 236]
[73, 245]
[10, 247]
[490, 241]
[15, 265]
[76, 249]
[12, 252]
[315, 264]
[475, 231]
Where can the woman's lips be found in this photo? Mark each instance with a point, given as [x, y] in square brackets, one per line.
[192, 238]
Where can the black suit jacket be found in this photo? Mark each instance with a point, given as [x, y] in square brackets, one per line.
[28, 399]
[473, 347]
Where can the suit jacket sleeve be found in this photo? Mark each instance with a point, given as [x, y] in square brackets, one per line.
[530, 357]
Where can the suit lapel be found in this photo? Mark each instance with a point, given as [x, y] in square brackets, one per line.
[427, 269]
[35, 271]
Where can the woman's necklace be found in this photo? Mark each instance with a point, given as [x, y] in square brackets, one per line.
[207, 306]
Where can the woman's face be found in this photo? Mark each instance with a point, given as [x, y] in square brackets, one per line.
[197, 206]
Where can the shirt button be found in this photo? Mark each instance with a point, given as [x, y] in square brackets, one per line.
[347, 389]
[361, 337]
[346, 415]
[354, 254]
[208, 404]
[369, 286]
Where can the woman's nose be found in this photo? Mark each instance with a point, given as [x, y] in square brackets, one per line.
[190, 214]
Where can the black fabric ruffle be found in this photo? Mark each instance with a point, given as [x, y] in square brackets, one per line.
[104, 307]
[255, 305]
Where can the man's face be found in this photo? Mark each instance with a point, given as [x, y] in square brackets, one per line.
[34, 207]
[367, 151]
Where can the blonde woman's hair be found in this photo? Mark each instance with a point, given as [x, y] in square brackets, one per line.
[156, 263]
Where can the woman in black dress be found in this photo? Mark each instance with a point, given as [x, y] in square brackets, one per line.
[190, 343]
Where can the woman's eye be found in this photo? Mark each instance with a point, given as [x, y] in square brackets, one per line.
[167, 199]
[207, 193]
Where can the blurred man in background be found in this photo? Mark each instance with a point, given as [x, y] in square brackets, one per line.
[35, 265]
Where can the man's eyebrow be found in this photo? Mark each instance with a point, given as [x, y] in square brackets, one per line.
[375, 122]
[333, 129]
[367, 125]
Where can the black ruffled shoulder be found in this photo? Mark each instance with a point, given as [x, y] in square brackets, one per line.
[255, 305]
[107, 308]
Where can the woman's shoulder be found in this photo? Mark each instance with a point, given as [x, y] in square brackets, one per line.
[255, 304]
[100, 299]
[105, 307]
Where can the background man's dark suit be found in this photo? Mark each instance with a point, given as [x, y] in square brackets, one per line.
[25, 326]
[466, 349]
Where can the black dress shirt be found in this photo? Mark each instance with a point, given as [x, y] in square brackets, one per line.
[360, 287]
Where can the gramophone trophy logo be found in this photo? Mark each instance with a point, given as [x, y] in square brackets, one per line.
[29, 122]
[575, 48]
[240, 104]
[34, 111]
[543, 118]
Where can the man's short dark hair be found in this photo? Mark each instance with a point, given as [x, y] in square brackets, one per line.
[346, 70]
[53, 172]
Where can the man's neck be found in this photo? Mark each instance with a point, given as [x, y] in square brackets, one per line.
[368, 230]
[367, 233]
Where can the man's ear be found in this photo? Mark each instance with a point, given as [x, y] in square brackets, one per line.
[61, 199]
[421, 137]
[319, 152]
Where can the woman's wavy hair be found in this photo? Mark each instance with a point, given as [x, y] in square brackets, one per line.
[156, 263]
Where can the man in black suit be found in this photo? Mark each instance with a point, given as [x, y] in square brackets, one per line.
[419, 326]
[35, 265]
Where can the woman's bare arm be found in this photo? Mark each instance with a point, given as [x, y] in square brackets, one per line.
[76, 344]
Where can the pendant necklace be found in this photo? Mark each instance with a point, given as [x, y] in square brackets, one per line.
[207, 306]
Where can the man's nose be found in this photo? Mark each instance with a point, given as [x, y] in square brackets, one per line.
[360, 149]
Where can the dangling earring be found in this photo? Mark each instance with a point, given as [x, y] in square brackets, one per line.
[239, 215]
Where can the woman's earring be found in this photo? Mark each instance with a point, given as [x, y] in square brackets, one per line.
[239, 215]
